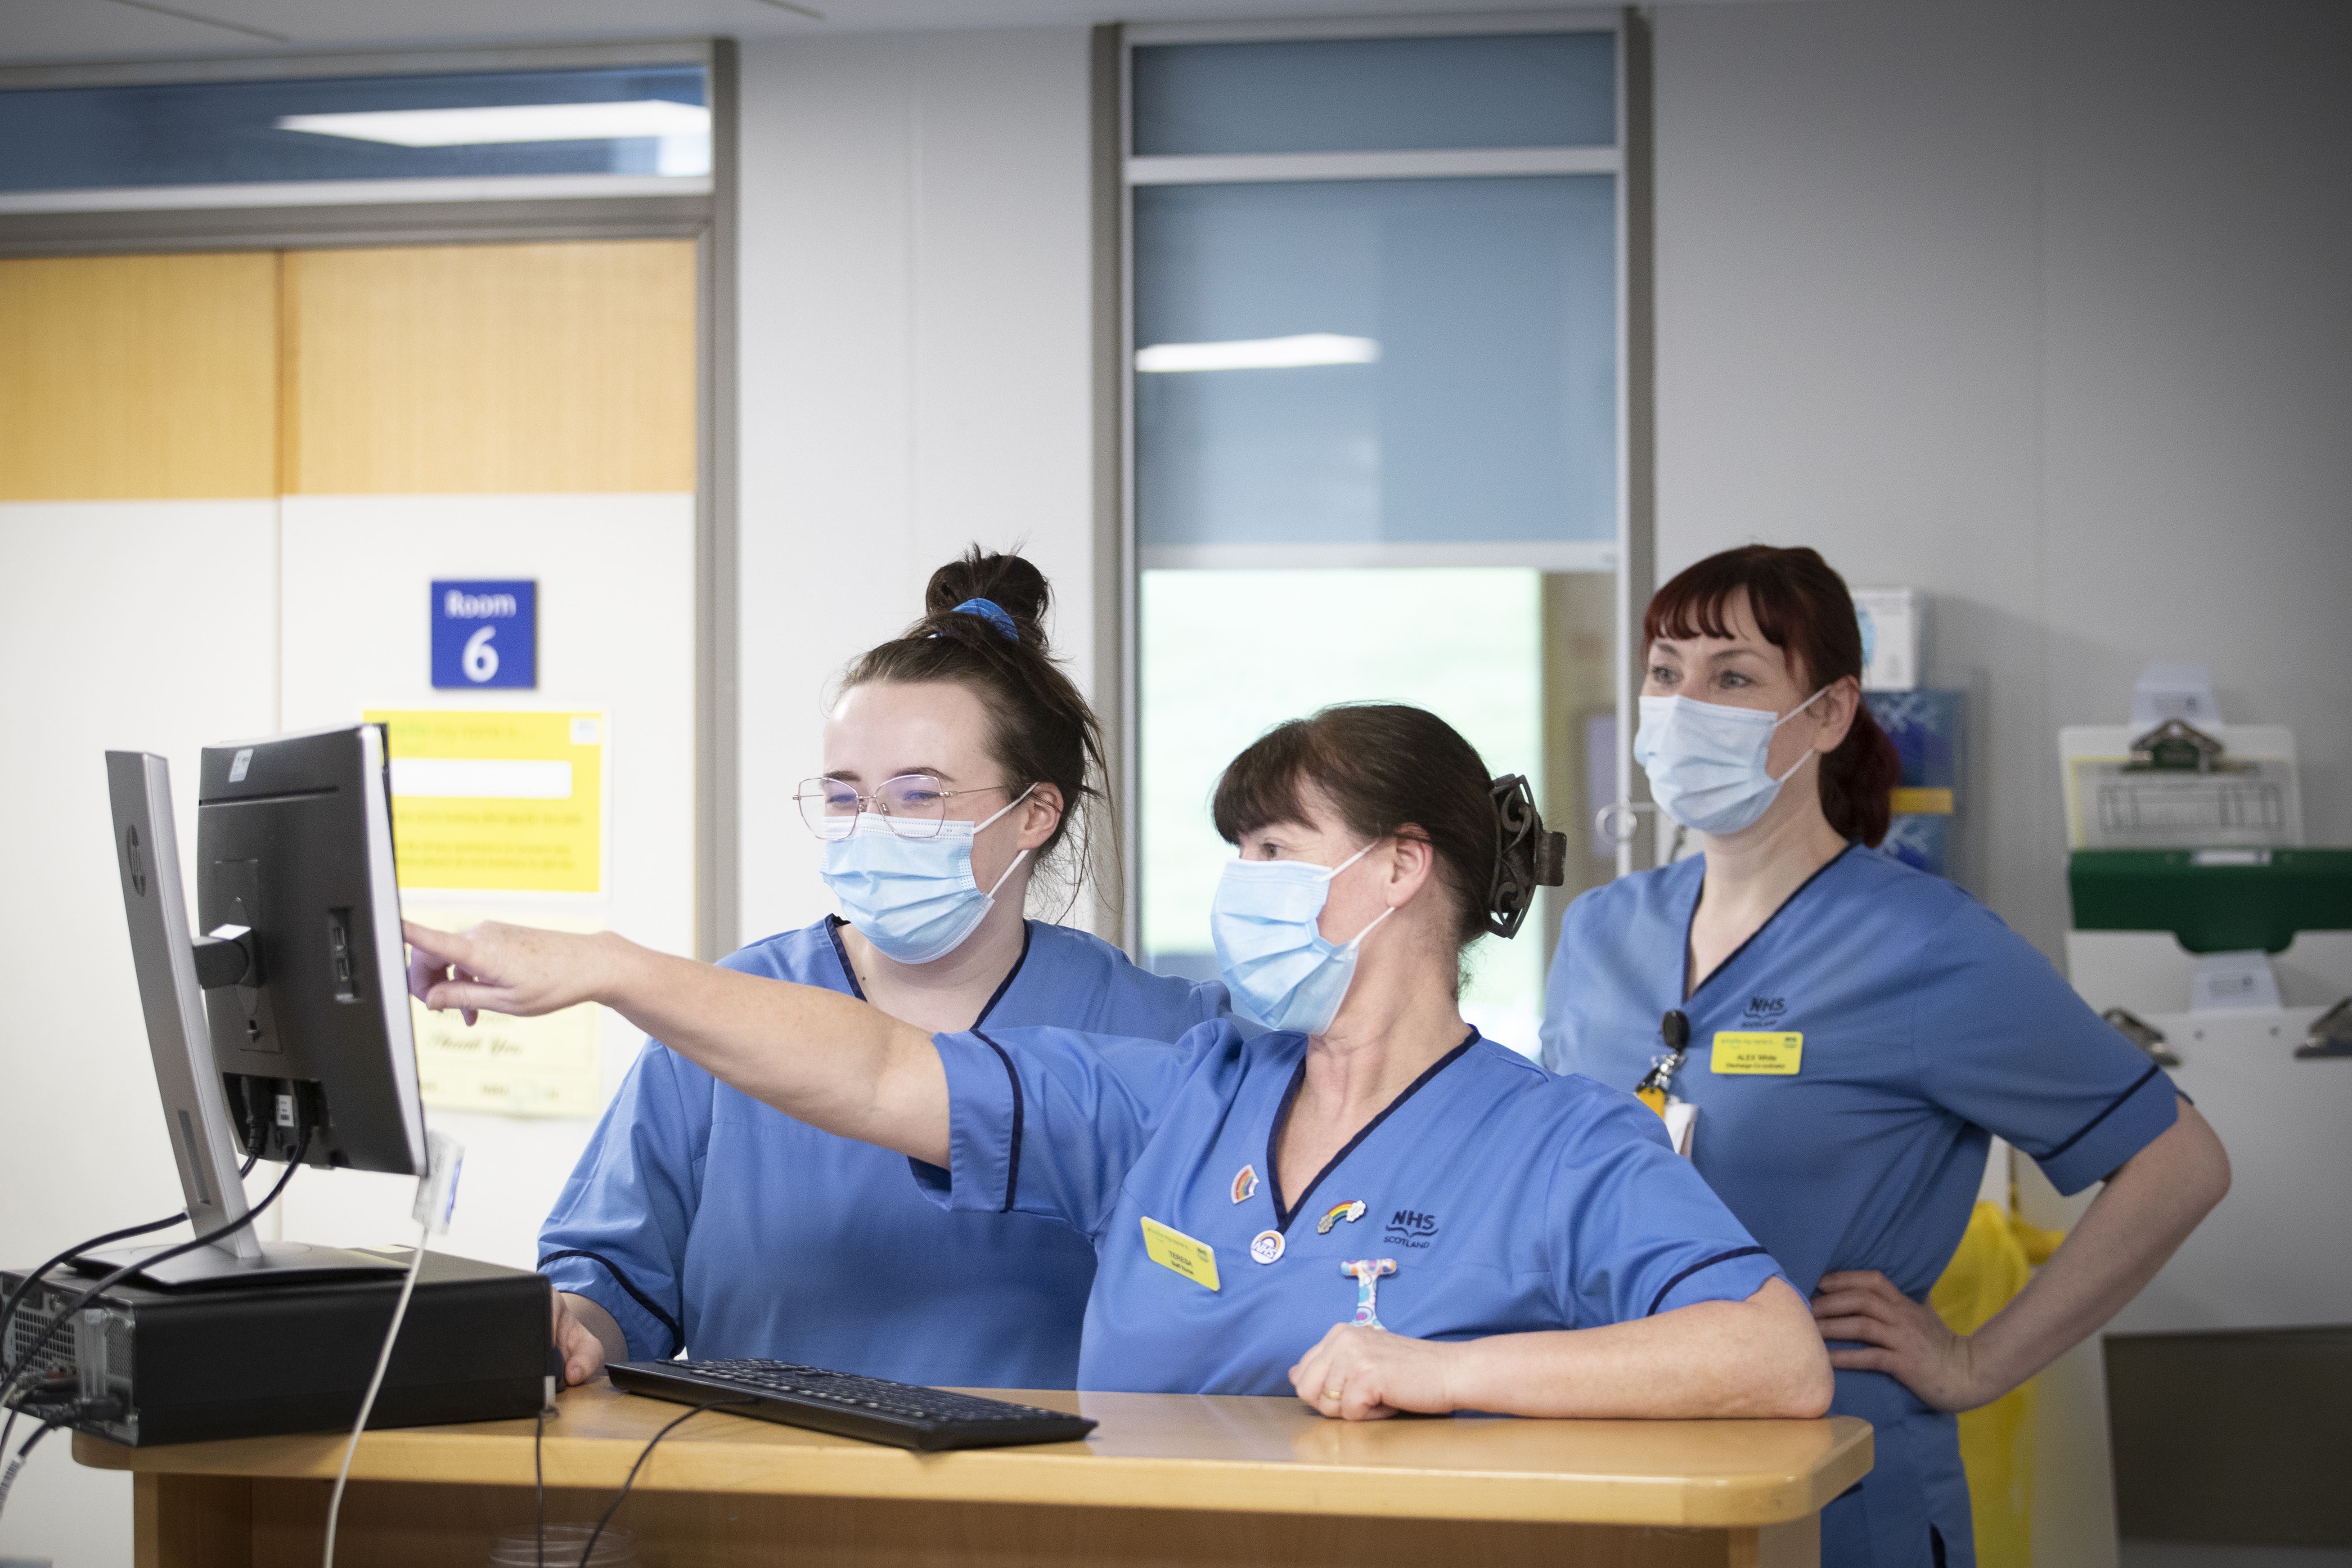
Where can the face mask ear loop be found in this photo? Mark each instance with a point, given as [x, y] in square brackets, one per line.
[1358, 940]
[1016, 800]
[1008, 871]
[1810, 753]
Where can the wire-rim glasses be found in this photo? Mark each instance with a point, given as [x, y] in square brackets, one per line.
[912, 806]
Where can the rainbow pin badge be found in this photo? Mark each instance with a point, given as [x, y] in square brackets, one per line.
[1367, 1272]
[1351, 1211]
[1244, 1183]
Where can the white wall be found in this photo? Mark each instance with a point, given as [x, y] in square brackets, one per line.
[2040, 308]
[915, 370]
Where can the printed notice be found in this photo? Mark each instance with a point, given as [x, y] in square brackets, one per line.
[511, 1067]
[497, 802]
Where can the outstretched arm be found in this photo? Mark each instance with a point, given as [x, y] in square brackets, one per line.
[819, 1057]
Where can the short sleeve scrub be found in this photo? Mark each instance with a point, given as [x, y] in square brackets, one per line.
[1488, 1198]
[1923, 1026]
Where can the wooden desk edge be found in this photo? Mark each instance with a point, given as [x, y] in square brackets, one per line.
[452, 1455]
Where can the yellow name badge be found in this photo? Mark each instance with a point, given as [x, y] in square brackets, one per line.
[1744, 1053]
[1195, 1261]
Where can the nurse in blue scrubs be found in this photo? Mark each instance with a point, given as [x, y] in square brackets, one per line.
[1836, 1037]
[958, 761]
[1370, 1205]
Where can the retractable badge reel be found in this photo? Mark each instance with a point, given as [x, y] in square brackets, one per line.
[1656, 1089]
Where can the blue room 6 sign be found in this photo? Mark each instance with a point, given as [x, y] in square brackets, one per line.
[486, 634]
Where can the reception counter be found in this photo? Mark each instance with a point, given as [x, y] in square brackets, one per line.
[1164, 1480]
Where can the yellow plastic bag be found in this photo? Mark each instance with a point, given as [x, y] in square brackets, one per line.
[1994, 1261]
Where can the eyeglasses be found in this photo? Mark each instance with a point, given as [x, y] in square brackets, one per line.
[913, 805]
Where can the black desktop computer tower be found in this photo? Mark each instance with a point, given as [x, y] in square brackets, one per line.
[256, 1361]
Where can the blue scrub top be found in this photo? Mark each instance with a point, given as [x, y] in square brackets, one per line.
[1928, 1026]
[703, 1219]
[1509, 1200]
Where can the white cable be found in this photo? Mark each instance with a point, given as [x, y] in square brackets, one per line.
[367, 1402]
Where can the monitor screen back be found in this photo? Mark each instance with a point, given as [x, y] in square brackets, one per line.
[294, 842]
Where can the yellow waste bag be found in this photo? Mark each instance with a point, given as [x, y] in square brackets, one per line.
[1994, 1261]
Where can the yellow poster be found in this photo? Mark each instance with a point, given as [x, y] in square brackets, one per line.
[511, 1067]
[489, 801]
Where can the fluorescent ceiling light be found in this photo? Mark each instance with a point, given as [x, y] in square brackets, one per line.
[1260, 354]
[510, 123]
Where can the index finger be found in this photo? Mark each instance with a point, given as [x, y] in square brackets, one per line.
[1855, 1279]
[451, 946]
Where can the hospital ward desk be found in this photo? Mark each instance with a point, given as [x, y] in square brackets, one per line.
[1166, 1479]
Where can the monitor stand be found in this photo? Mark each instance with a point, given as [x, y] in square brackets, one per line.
[216, 1268]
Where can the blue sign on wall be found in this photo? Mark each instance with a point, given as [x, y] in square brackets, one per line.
[486, 634]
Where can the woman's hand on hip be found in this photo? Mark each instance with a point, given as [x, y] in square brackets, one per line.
[1900, 1337]
[1358, 1374]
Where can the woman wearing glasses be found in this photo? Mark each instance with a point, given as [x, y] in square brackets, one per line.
[959, 761]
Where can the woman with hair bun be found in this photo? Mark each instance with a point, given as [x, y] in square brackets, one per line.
[1371, 1206]
[959, 763]
[1833, 1038]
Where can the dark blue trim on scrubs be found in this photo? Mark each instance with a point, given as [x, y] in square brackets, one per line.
[676, 1334]
[1691, 992]
[2102, 1116]
[832, 924]
[1282, 1216]
[1668, 1289]
[1012, 1162]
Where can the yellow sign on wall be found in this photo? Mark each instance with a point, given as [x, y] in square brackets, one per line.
[492, 801]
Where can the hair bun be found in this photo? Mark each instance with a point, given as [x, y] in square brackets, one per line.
[1009, 582]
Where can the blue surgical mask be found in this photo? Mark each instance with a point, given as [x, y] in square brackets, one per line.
[1270, 946]
[914, 899]
[1706, 760]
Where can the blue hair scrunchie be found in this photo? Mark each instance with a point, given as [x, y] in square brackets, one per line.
[992, 612]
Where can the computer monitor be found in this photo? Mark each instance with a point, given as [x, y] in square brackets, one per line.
[292, 1010]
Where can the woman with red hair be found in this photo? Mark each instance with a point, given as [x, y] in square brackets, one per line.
[1833, 1038]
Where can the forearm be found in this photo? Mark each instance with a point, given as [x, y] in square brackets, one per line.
[2138, 1220]
[1759, 1357]
[590, 1315]
[819, 1057]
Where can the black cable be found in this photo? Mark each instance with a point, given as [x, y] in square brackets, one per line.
[25, 1285]
[8, 1475]
[9, 1376]
[539, 1482]
[588, 1551]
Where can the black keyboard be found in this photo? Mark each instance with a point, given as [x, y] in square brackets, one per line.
[849, 1405]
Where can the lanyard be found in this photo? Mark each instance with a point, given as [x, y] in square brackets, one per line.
[1658, 1083]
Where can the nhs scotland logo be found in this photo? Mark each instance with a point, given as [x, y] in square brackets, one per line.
[486, 634]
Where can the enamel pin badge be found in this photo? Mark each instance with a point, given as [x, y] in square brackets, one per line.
[1244, 1183]
[1350, 1212]
[1367, 1272]
[1267, 1245]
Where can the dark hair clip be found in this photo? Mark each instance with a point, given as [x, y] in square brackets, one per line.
[1526, 856]
[992, 612]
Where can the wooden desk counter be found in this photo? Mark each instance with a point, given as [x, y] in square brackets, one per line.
[1165, 1479]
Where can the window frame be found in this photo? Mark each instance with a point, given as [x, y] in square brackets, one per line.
[1629, 556]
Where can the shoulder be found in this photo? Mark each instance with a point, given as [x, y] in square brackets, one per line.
[1905, 904]
[1617, 904]
[808, 955]
[1113, 992]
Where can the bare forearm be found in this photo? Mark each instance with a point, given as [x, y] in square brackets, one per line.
[819, 1057]
[1760, 1357]
[2138, 1220]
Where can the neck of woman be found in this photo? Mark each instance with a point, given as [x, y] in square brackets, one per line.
[1400, 1015]
[1751, 873]
[947, 994]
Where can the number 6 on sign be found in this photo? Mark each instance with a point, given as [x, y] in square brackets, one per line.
[480, 660]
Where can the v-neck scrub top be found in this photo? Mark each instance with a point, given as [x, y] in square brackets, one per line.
[1927, 1027]
[1507, 1199]
[705, 1220]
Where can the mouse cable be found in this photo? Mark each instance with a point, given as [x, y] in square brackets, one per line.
[8, 1376]
[74, 1411]
[646, 1453]
[367, 1400]
[8, 1307]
